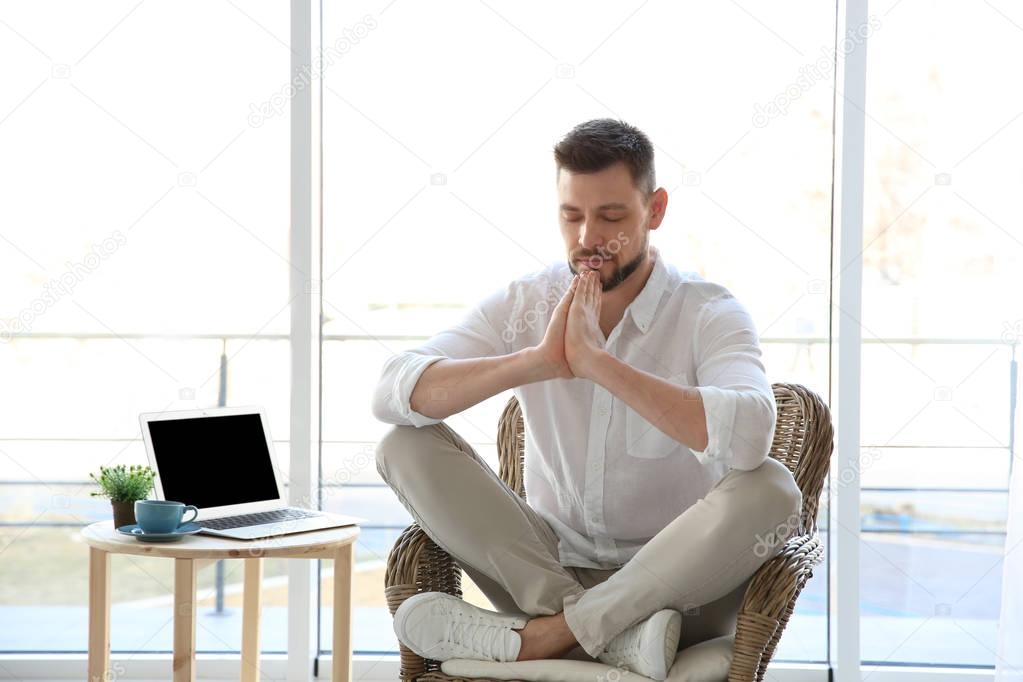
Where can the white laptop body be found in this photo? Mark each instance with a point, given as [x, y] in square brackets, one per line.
[222, 461]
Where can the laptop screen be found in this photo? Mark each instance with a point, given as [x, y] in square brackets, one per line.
[213, 461]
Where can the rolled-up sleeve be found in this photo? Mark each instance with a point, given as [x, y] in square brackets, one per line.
[737, 397]
[476, 335]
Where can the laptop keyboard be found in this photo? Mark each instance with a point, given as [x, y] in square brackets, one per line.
[256, 519]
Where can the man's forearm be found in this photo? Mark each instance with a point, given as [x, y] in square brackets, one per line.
[450, 386]
[676, 410]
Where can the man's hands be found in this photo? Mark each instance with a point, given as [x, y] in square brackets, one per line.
[573, 340]
[584, 340]
[572, 346]
[551, 351]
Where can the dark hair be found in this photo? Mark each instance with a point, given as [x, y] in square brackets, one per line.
[592, 146]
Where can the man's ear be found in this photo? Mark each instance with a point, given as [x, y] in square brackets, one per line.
[657, 206]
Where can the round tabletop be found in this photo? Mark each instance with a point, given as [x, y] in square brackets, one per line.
[312, 544]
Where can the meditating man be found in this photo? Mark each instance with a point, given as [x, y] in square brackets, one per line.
[650, 496]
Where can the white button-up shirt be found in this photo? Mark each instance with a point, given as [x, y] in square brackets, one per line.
[604, 477]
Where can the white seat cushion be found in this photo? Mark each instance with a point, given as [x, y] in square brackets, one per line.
[704, 662]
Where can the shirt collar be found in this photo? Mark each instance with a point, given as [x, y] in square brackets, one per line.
[645, 304]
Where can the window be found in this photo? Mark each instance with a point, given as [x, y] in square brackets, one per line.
[144, 250]
[941, 260]
[439, 187]
[144, 261]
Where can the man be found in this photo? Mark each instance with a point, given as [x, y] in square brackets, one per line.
[651, 496]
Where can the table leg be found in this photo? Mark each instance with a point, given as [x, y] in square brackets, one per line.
[184, 620]
[342, 654]
[99, 614]
[252, 593]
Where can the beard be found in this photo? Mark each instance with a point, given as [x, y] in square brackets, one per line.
[620, 273]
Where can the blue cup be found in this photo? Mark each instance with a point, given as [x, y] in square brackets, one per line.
[162, 516]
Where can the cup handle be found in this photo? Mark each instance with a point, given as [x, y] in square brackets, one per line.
[189, 507]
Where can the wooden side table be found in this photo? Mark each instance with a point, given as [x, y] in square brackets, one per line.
[188, 554]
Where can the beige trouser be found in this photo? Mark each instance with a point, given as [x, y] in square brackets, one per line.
[700, 564]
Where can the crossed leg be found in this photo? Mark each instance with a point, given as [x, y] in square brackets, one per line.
[699, 564]
[700, 561]
[507, 549]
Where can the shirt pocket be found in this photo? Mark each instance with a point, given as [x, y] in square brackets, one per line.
[643, 439]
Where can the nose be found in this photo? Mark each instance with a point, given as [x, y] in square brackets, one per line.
[589, 239]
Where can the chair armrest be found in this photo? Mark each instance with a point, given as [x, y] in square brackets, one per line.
[768, 604]
[416, 564]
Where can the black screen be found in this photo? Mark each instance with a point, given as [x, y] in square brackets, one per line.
[213, 461]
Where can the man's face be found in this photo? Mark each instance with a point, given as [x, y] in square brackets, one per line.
[605, 222]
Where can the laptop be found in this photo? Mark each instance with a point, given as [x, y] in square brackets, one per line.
[221, 460]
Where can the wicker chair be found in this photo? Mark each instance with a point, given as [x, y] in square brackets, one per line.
[802, 442]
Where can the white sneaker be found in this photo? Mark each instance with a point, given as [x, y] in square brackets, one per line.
[648, 647]
[439, 626]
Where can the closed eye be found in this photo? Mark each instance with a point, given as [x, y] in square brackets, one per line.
[573, 219]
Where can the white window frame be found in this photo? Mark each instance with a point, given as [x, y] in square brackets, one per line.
[844, 654]
[305, 277]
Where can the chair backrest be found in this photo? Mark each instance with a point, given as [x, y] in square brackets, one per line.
[803, 441]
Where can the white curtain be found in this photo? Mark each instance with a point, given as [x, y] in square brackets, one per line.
[1009, 663]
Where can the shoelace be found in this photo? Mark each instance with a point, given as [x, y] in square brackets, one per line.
[627, 642]
[480, 639]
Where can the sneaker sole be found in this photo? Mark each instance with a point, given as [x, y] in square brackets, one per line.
[672, 635]
[672, 630]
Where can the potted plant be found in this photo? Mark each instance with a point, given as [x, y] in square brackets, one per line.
[124, 485]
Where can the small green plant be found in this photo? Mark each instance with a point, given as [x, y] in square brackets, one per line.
[124, 483]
